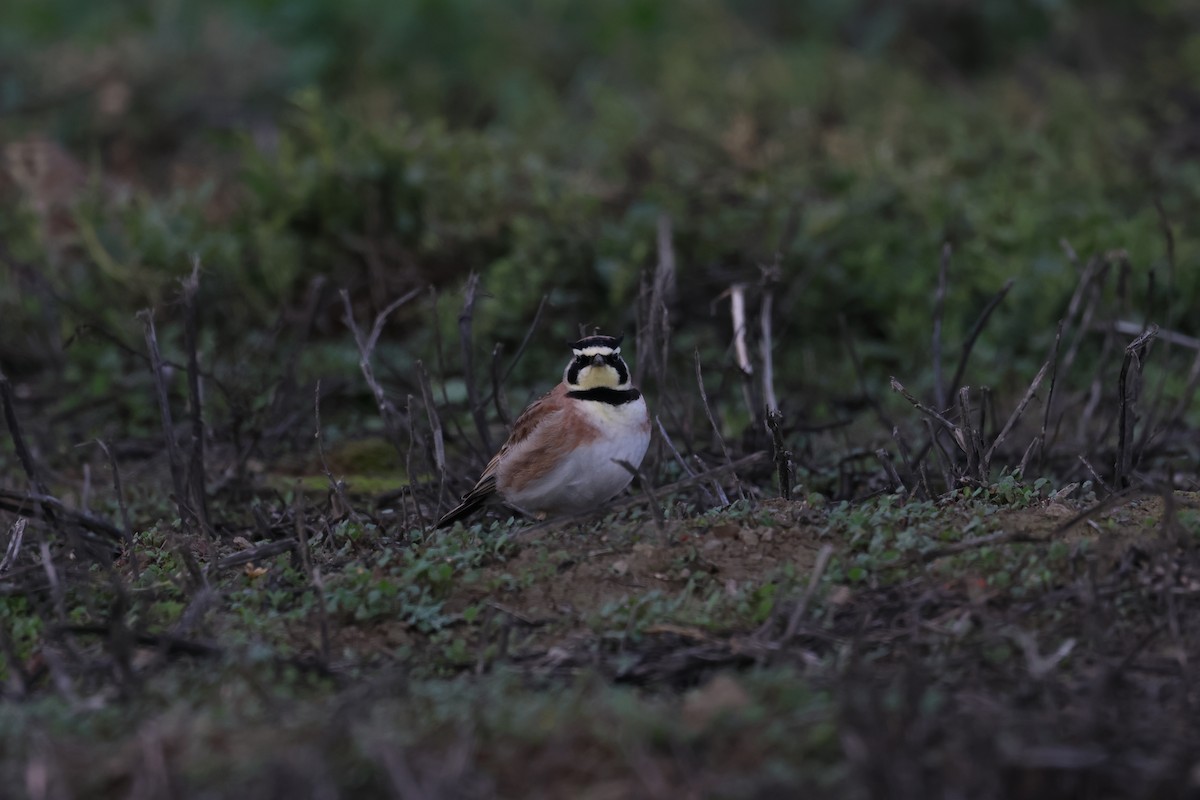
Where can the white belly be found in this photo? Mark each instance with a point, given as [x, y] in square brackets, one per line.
[590, 475]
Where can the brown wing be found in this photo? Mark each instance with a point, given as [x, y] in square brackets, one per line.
[485, 487]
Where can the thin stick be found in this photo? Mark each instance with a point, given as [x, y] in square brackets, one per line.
[338, 487]
[16, 534]
[1016, 415]
[435, 427]
[1133, 352]
[943, 456]
[712, 420]
[537, 316]
[196, 470]
[465, 320]
[366, 346]
[127, 526]
[783, 456]
[314, 572]
[737, 311]
[765, 347]
[860, 375]
[929, 412]
[56, 588]
[939, 303]
[654, 334]
[14, 430]
[1000, 537]
[885, 458]
[679, 459]
[656, 511]
[52, 509]
[916, 472]
[498, 388]
[971, 436]
[1095, 475]
[969, 344]
[168, 425]
[793, 625]
[435, 422]
[1130, 328]
[1049, 395]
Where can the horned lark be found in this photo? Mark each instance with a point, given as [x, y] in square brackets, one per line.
[565, 450]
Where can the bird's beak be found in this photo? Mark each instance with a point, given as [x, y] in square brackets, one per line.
[597, 360]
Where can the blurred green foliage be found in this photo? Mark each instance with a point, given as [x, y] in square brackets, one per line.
[539, 141]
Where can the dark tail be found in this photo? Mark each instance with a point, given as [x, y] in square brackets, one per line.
[471, 502]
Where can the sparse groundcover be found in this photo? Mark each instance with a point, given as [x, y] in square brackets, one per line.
[910, 294]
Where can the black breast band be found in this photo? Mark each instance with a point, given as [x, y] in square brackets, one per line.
[603, 394]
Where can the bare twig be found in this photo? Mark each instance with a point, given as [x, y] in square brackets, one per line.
[126, 525]
[712, 420]
[797, 616]
[976, 329]
[186, 513]
[259, 553]
[1129, 328]
[466, 318]
[1095, 475]
[885, 458]
[366, 346]
[1041, 439]
[338, 487]
[52, 509]
[1015, 416]
[765, 347]
[679, 459]
[498, 388]
[16, 534]
[1000, 537]
[314, 572]
[932, 414]
[435, 428]
[516, 359]
[654, 333]
[56, 587]
[783, 456]
[1133, 354]
[656, 510]
[939, 304]
[916, 472]
[737, 310]
[943, 457]
[971, 436]
[18, 439]
[195, 478]
[861, 377]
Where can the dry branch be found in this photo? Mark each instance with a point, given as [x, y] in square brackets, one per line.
[158, 369]
[1015, 416]
[712, 420]
[1133, 356]
[783, 456]
[366, 346]
[195, 478]
[126, 525]
[466, 319]
[939, 304]
[977, 329]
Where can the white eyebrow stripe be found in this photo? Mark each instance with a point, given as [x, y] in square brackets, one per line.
[596, 351]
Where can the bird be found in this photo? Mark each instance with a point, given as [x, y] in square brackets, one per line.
[569, 450]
